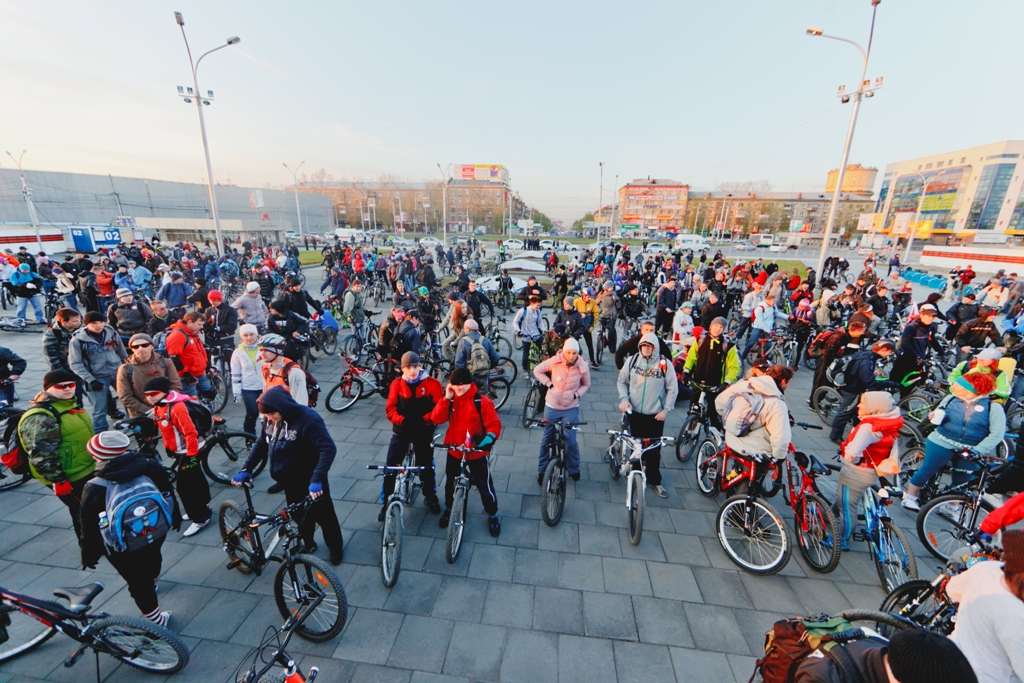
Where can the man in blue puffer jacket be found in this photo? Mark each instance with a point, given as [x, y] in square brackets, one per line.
[301, 452]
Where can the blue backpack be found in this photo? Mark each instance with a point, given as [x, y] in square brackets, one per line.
[137, 514]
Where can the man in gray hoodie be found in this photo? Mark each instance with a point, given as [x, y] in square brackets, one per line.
[647, 391]
[251, 307]
[94, 354]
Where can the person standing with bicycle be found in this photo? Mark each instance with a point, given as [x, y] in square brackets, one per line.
[860, 377]
[472, 420]
[476, 353]
[755, 415]
[411, 399]
[527, 325]
[566, 377]
[221, 321]
[186, 351]
[247, 374]
[353, 308]
[713, 362]
[251, 307]
[300, 451]
[648, 387]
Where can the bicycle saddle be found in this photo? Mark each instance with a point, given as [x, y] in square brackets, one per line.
[80, 596]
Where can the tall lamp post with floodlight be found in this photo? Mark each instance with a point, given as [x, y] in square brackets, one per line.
[444, 203]
[864, 89]
[295, 186]
[200, 101]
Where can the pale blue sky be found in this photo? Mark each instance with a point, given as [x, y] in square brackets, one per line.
[549, 89]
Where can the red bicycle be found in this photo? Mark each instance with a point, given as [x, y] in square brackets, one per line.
[358, 382]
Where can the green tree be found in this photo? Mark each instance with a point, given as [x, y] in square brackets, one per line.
[539, 218]
[577, 225]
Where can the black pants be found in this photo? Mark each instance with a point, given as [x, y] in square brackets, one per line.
[802, 334]
[424, 458]
[589, 338]
[321, 512]
[479, 476]
[193, 489]
[819, 376]
[712, 410]
[847, 411]
[609, 324]
[140, 569]
[641, 425]
[74, 502]
[901, 367]
[663, 322]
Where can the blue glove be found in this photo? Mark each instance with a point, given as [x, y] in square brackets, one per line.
[241, 478]
[315, 490]
[486, 441]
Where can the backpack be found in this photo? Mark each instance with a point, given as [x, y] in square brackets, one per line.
[479, 362]
[836, 371]
[739, 416]
[16, 459]
[137, 514]
[816, 349]
[312, 386]
[201, 416]
[791, 641]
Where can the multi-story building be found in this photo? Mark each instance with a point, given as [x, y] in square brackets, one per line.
[857, 180]
[653, 205]
[740, 213]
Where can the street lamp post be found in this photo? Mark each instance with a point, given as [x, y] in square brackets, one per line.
[917, 214]
[202, 122]
[444, 203]
[28, 199]
[864, 89]
[295, 186]
[600, 201]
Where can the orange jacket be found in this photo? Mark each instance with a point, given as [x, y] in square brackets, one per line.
[1010, 512]
[185, 344]
[175, 424]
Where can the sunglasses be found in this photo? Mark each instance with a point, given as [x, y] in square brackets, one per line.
[143, 345]
[66, 385]
[153, 393]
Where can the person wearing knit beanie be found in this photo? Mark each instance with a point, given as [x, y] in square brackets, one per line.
[108, 445]
[58, 377]
[919, 656]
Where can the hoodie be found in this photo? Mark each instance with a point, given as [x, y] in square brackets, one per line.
[299, 447]
[91, 359]
[770, 432]
[649, 384]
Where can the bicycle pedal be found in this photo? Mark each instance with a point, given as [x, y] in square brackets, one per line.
[74, 657]
[233, 563]
[860, 536]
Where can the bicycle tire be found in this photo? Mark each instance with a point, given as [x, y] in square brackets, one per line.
[915, 409]
[771, 481]
[9, 480]
[510, 370]
[25, 633]
[456, 526]
[138, 636]
[809, 362]
[517, 342]
[732, 516]
[236, 534]
[615, 460]
[855, 615]
[530, 406]
[314, 576]
[910, 463]
[1015, 420]
[826, 401]
[916, 600]
[941, 529]
[501, 389]
[708, 468]
[821, 524]
[329, 342]
[688, 434]
[220, 392]
[502, 345]
[552, 491]
[635, 512]
[344, 395]
[225, 455]
[599, 345]
[901, 566]
[391, 545]
[351, 347]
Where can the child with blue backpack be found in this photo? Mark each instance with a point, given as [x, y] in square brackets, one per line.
[127, 509]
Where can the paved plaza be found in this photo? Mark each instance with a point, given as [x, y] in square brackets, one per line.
[573, 603]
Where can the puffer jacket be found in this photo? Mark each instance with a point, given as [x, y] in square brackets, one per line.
[133, 375]
[649, 384]
[874, 439]
[184, 344]
[299, 447]
[129, 319]
[252, 309]
[91, 359]
[565, 384]
[26, 285]
[980, 424]
[770, 432]
[606, 304]
[56, 449]
[56, 341]
[465, 423]
[246, 373]
[175, 424]
[410, 404]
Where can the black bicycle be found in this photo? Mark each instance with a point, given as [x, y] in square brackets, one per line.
[697, 421]
[556, 475]
[307, 576]
[271, 653]
[27, 622]
[9, 418]
[533, 405]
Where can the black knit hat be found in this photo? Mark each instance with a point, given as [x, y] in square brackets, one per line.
[461, 376]
[157, 384]
[94, 317]
[919, 656]
[58, 377]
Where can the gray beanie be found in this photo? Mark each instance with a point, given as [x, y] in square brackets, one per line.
[139, 337]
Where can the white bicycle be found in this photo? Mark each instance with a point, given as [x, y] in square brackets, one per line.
[636, 479]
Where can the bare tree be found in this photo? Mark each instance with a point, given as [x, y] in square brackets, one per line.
[321, 178]
[748, 187]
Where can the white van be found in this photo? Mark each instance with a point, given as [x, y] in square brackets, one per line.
[350, 235]
[690, 241]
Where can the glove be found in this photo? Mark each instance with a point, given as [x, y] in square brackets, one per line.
[487, 440]
[979, 537]
[241, 478]
[62, 488]
[95, 385]
[315, 490]
[188, 380]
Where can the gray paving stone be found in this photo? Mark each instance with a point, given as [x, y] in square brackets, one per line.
[555, 609]
[599, 540]
[530, 657]
[626, 576]
[221, 615]
[673, 581]
[582, 572]
[536, 567]
[661, 622]
[642, 662]
[722, 588]
[519, 533]
[754, 625]
[414, 593]
[364, 588]
[371, 673]
[421, 644]
[492, 562]
[563, 537]
[368, 636]
[742, 667]
[460, 599]
[649, 547]
[437, 562]
[698, 665]
[606, 615]
[715, 628]
[423, 677]
[770, 593]
[585, 660]
[475, 651]
[819, 596]
[508, 604]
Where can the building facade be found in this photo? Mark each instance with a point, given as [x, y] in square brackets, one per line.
[857, 180]
[744, 214]
[653, 205]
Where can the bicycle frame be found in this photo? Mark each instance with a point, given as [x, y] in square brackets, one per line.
[281, 657]
[281, 524]
[873, 504]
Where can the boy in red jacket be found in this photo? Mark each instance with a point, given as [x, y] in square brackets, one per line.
[182, 441]
[471, 420]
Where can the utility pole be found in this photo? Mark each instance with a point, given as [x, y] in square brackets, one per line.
[600, 201]
[117, 195]
[28, 199]
[295, 186]
[444, 202]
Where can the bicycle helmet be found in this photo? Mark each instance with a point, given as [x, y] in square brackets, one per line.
[588, 291]
[272, 341]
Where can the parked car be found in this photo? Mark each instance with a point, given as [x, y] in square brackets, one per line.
[430, 242]
[744, 245]
[778, 248]
[656, 248]
[513, 243]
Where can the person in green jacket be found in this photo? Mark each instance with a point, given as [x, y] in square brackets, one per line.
[714, 362]
[986, 361]
[54, 433]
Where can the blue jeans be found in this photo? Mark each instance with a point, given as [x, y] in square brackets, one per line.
[935, 458]
[755, 335]
[572, 450]
[252, 412]
[71, 302]
[202, 386]
[36, 306]
[98, 404]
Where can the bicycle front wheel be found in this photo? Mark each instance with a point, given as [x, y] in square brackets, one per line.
[351, 347]
[944, 523]
[237, 536]
[708, 465]
[309, 577]
[329, 341]
[502, 345]
[687, 441]
[498, 390]
[219, 394]
[826, 401]
[552, 492]
[599, 344]
[23, 635]
[140, 643]
[893, 557]
[391, 545]
[635, 512]
[816, 534]
[760, 547]
[226, 455]
[531, 407]
[509, 369]
[456, 526]
[918, 602]
[344, 394]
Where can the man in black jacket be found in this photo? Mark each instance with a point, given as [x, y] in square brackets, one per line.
[860, 378]
[128, 316]
[918, 337]
[476, 301]
[531, 289]
[959, 313]
[559, 288]
[301, 451]
[667, 303]
[299, 300]
[974, 333]
[631, 346]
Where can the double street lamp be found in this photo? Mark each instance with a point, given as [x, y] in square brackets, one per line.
[200, 101]
[28, 198]
[295, 186]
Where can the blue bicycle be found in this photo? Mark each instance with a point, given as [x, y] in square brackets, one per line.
[889, 548]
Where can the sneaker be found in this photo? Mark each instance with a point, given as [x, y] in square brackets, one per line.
[195, 527]
[337, 557]
[575, 476]
[116, 414]
[162, 619]
[380, 515]
[660, 491]
[494, 525]
[434, 506]
[275, 488]
[445, 516]
[909, 502]
[310, 547]
[185, 517]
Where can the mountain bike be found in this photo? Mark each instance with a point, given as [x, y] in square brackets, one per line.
[27, 622]
[636, 479]
[363, 338]
[500, 342]
[271, 653]
[532, 408]
[813, 521]
[349, 388]
[404, 494]
[892, 554]
[946, 522]
[603, 340]
[301, 578]
[217, 399]
[20, 325]
[825, 401]
[556, 474]
[697, 421]
[617, 455]
[460, 501]
[323, 334]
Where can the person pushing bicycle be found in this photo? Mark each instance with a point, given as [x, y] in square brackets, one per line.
[714, 362]
[566, 377]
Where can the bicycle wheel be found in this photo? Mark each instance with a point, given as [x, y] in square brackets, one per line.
[391, 545]
[502, 345]
[226, 455]
[810, 363]
[509, 369]
[825, 402]
[456, 526]
[635, 512]
[517, 342]
[329, 341]
[910, 462]
[24, 634]
[219, 393]
[236, 534]
[616, 456]
[344, 394]
[894, 620]
[943, 524]
[140, 643]
[599, 344]
[1015, 420]
[763, 548]
[893, 557]
[531, 406]
[816, 515]
[915, 409]
[498, 390]
[687, 440]
[708, 466]
[918, 602]
[10, 480]
[351, 347]
[552, 491]
[313, 578]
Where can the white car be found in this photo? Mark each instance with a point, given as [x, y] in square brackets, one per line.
[401, 242]
[513, 243]
[546, 244]
[490, 284]
[430, 242]
[656, 248]
[778, 248]
[744, 246]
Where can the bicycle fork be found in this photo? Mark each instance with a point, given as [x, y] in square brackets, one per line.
[629, 486]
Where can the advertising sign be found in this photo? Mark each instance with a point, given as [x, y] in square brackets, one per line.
[923, 229]
[901, 224]
[481, 172]
[938, 202]
[797, 225]
[863, 222]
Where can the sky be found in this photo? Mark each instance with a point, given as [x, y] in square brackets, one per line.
[700, 92]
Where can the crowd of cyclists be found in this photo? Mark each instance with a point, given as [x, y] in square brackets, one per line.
[145, 324]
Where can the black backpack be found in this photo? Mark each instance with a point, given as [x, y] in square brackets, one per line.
[312, 386]
[200, 415]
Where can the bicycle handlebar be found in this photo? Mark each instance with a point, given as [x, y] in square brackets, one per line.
[396, 468]
[563, 421]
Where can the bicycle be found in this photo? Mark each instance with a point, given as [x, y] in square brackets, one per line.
[27, 622]
[349, 388]
[9, 418]
[893, 557]
[292, 673]
[603, 340]
[501, 343]
[947, 521]
[697, 420]
[532, 409]
[404, 494]
[636, 479]
[20, 325]
[323, 333]
[460, 501]
[307, 576]
[553, 485]
[217, 399]
[363, 338]
[813, 521]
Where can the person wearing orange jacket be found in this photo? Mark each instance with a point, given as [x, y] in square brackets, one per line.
[472, 420]
[183, 442]
[186, 350]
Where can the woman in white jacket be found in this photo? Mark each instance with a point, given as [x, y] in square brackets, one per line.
[247, 374]
[682, 326]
